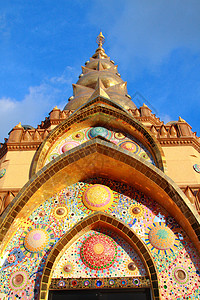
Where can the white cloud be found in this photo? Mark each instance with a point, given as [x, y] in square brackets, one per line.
[65, 78]
[37, 103]
[6, 104]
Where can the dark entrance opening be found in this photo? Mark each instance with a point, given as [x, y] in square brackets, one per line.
[112, 294]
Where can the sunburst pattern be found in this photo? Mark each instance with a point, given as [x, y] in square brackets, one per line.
[161, 238]
[37, 240]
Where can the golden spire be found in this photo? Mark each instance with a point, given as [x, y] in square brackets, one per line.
[100, 39]
[100, 78]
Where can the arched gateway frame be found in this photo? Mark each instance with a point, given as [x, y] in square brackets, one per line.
[89, 223]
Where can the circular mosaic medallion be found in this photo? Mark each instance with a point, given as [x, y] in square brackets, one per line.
[42, 213]
[78, 136]
[61, 283]
[124, 282]
[144, 155]
[67, 268]
[95, 131]
[130, 146]
[36, 240]
[11, 258]
[60, 212]
[2, 172]
[136, 281]
[111, 282]
[68, 146]
[161, 237]
[131, 266]
[98, 197]
[180, 275]
[53, 156]
[99, 283]
[86, 283]
[119, 135]
[98, 251]
[74, 283]
[18, 280]
[136, 210]
[196, 168]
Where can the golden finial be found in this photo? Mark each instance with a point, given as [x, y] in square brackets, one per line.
[100, 39]
[181, 120]
[18, 125]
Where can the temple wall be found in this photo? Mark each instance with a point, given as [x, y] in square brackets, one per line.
[180, 164]
[17, 165]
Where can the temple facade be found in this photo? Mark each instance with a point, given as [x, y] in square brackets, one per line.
[101, 200]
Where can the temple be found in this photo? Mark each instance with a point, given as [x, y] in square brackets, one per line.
[101, 200]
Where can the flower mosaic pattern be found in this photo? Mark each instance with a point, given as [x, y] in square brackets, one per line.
[100, 253]
[126, 142]
[98, 197]
[161, 237]
[176, 259]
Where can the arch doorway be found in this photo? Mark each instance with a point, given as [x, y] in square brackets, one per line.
[100, 262]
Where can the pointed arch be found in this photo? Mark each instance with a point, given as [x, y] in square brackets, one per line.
[91, 222]
[101, 114]
[101, 158]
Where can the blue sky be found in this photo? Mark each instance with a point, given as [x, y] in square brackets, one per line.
[43, 44]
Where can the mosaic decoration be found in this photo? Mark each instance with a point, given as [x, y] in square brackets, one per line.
[196, 168]
[68, 146]
[180, 275]
[98, 252]
[177, 262]
[15, 256]
[36, 240]
[2, 172]
[3, 296]
[119, 135]
[70, 141]
[53, 156]
[130, 146]
[67, 268]
[60, 212]
[98, 197]
[132, 266]
[161, 237]
[136, 210]
[18, 280]
[115, 282]
[78, 136]
[101, 131]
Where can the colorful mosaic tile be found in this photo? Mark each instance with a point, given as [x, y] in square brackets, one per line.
[196, 168]
[161, 237]
[99, 253]
[97, 197]
[92, 283]
[176, 259]
[125, 141]
[2, 172]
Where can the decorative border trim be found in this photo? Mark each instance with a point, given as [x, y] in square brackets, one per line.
[96, 283]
